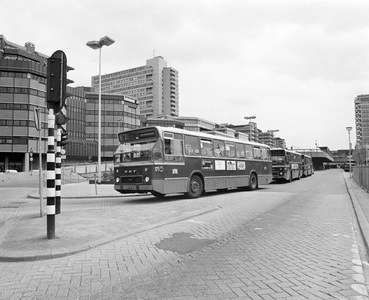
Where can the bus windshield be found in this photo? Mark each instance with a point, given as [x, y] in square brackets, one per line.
[278, 160]
[136, 151]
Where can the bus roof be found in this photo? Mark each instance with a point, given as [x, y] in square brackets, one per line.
[197, 133]
[286, 150]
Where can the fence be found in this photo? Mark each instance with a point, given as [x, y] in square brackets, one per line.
[361, 175]
[88, 171]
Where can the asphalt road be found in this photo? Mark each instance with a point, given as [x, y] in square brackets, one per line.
[294, 240]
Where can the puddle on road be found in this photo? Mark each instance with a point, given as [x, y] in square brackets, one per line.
[182, 243]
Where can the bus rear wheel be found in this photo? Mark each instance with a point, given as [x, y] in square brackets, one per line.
[195, 188]
[253, 182]
[157, 194]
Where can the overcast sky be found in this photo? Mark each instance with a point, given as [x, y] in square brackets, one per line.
[297, 65]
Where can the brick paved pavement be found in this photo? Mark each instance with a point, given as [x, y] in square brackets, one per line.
[304, 249]
[271, 244]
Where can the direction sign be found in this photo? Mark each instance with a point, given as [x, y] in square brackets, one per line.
[36, 114]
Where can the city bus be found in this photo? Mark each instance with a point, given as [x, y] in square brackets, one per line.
[307, 165]
[287, 164]
[166, 160]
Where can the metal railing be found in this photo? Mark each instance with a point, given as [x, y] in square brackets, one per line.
[361, 175]
[85, 172]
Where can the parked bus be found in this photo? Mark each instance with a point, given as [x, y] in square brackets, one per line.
[165, 160]
[287, 164]
[307, 165]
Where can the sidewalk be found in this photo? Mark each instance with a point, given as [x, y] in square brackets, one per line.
[92, 216]
[360, 200]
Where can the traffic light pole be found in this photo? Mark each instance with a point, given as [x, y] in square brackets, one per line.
[58, 171]
[50, 183]
[56, 95]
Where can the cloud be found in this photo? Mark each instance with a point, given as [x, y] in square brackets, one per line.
[296, 65]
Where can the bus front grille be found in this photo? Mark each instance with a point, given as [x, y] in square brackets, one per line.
[131, 179]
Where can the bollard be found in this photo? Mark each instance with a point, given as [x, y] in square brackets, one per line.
[95, 184]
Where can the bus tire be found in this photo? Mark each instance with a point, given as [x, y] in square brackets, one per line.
[195, 187]
[157, 194]
[253, 182]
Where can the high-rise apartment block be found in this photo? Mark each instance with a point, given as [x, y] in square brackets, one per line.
[154, 85]
[362, 119]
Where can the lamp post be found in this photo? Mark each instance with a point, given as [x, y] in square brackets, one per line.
[272, 132]
[250, 118]
[349, 156]
[104, 41]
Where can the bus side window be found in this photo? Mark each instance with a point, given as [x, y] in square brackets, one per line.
[269, 154]
[168, 147]
[158, 150]
[257, 153]
[249, 152]
[230, 150]
[219, 148]
[173, 149]
[240, 151]
[206, 147]
[192, 146]
[264, 153]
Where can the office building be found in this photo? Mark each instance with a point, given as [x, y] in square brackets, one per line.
[22, 89]
[267, 138]
[250, 129]
[154, 85]
[23, 76]
[280, 143]
[118, 113]
[362, 119]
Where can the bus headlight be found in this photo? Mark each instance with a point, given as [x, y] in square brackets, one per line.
[117, 180]
[147, 179]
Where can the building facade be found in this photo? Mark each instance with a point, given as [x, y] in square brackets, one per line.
[280, 143]
[118, 113]
[23, 82]
[362, 119]
[154, 85]
[251, 129]
[22, 89]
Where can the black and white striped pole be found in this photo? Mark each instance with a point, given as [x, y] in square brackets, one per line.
[55, 96]
[50, 182]
[58, 171]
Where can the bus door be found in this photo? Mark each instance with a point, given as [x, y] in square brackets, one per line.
[175, 179]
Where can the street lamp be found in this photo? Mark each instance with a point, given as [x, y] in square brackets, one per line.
[250, 118]
[348, 130]
[104, 41]
[272, 132]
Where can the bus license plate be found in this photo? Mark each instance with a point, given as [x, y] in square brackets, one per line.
[130, 187]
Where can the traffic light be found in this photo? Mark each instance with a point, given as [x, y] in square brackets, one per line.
[60, 118]
[64, 137]
[65, 82]
[53, 80]
[57, 81]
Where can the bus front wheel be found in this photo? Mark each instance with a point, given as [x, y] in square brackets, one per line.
[253, 183]
[195, 188]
